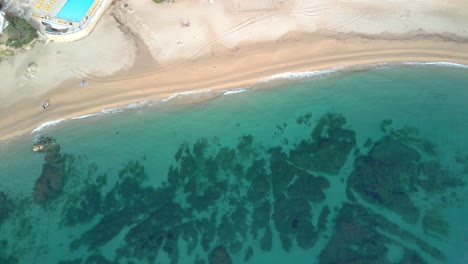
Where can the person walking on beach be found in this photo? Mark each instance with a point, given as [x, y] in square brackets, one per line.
[83, 83]
[46, 104]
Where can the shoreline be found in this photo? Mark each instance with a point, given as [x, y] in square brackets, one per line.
[283, 77]
[286, 77]
[226, 70]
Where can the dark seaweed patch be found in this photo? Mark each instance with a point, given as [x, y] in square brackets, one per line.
[218, 197]
[394, 169]
[385, 124]
[6, 207]
[82, 207]
[219, 255]
[356, 239]
[5, 258]
[330, 146]
[50, 184]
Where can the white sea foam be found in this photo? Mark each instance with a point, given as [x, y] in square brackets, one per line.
[47, 124]
[169, 98]
[438, 63]
[383, 65]
[84, 116]
[281, 76]
[175, 95]
[112, 110]
[300, 75]
[137, 105]
[131, 106]
[234, 91]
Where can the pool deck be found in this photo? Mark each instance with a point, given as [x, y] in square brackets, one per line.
[47, 11]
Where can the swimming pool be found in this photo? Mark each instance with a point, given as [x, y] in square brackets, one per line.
[75, 10]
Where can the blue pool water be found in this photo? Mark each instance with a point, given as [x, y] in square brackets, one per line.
[75, 10]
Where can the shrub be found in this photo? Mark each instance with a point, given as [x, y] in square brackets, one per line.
[20, 32]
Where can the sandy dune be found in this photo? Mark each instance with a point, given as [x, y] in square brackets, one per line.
[140, 51]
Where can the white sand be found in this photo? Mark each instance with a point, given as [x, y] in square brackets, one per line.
[104, 52]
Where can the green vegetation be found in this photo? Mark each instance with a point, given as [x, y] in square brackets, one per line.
[20, 32]
[158, 1]
[5, 53]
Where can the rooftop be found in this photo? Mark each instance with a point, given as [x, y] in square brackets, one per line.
[47, 8]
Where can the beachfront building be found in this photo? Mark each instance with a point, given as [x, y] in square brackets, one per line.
[3, 22]
[67, 20]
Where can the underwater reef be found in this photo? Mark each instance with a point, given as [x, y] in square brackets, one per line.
[234, 200]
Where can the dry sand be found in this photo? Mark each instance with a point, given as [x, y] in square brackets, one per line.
[229, 44]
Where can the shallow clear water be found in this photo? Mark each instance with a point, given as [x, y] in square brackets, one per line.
[349, 167]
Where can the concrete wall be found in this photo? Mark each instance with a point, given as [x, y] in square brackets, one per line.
[86, 30]
[3, 22]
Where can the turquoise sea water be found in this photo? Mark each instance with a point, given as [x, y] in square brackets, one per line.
[347, 167]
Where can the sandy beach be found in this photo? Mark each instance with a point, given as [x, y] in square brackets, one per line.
[139, 51]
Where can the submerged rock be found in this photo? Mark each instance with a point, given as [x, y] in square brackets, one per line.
[6, 207]
[361, 236]
[9, 260]
[266, 242]
[386, 176]
[52, 179]
[398, 166]
[98, 259]
[239, 221]
[435, 224]
[248, 254]
[322, 221]
[282, 173]
[219, 255]
[245, 148]
[190, 235]
[330, 146]
[41, 144]
[260, 217]
[260, 185]
[74, 261]
[128, 200]
[304, 119]
[385, 124]
[38, 147]
[293, 219]
[356, 239]
[286, 242]
[226, 231]
[308, 186]
[130, 192]
[83, 206]
[160, 230]
[435, 178]
[104, 231]
[5, 258]
[411, 257]
[207, 229]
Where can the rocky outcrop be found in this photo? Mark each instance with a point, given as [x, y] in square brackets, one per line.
[41, 144]
[50, 183]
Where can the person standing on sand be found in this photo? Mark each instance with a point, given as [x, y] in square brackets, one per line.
[46, 104]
